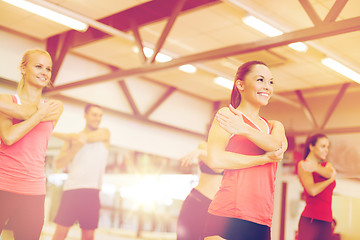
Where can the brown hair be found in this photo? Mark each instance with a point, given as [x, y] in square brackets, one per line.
[312, 140]
[25, 59]
[244, 69]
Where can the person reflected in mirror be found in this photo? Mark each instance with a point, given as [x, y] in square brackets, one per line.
[86, 154]
[194, 211]
[317, 176]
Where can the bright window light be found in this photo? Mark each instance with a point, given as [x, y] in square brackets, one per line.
[188, 68]
[224, 82]
[270, 31]
[49, 14]
[338, 67]
[261, 26]
[299, 46]
[160, 57]
[148, 52]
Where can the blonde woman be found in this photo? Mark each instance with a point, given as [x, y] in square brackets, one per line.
[23, 147]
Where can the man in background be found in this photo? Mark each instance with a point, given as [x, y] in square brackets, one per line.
[85, 153]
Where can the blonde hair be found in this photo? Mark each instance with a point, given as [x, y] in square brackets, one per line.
[24, 61]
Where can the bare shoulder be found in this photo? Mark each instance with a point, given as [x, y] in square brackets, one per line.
[275, 123]
[300, 164]
[329, 164]
[224, 110]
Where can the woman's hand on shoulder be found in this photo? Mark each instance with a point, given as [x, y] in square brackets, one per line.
[51, 110]
[332, 169]
[231, 120]
[308, 166]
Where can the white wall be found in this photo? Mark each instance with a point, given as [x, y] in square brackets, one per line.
[125, 132]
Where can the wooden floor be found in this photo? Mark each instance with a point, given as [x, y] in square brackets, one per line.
[100, 234]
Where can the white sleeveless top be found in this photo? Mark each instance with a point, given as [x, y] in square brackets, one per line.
[87, 167]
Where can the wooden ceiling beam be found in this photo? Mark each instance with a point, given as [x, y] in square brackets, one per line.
[335, 11]
[312, 33]
[144, 14]
[175, 13]
[138, 118]
[129, 97]
[310, 11]
[323, 90]
[308, 113]
[344, 130]
[138, 41]
[165, 96]
[58, 46]
[334, 104]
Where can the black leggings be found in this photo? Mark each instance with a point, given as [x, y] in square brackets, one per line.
[312, 229]
[235, 229]
[192, 217]
[24, 212]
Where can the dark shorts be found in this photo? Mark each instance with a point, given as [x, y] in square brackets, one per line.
[192, 217]
[82, 205]
[24, 213]
[235, 229]
[313, 229]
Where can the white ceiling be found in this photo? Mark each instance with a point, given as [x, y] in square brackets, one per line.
[213, 26]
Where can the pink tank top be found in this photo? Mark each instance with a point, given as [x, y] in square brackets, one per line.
[319, 206]
[22, 163]
[248, 193]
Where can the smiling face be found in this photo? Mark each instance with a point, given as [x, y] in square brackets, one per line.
[257, 86]
[321, 148]
[36, 70]
[93, 117]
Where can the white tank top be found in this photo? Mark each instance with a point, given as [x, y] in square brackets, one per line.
[88, 167]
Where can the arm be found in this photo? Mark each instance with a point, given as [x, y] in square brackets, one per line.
[10, 133]
[308, 183]
[269, 142]
[327, 171]
[64, 136]
[231, 120]
[99, 135]
[13, 110]
[218, 158]
[69, 150]
[202, 151]
[195, 156]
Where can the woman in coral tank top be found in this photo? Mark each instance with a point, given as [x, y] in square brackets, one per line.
[318, 179]
[242, 209]
[24, 140]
